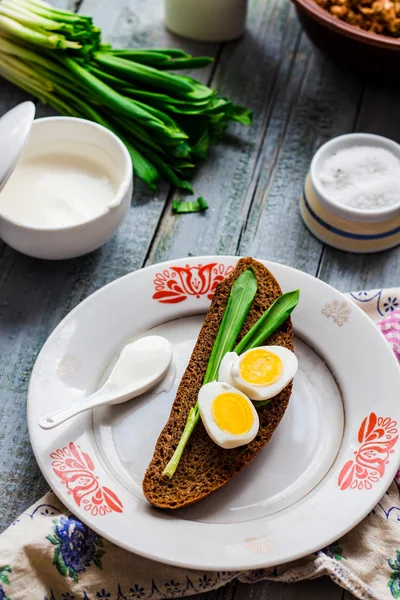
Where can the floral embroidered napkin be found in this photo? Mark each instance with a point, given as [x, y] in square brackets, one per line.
[48, 554]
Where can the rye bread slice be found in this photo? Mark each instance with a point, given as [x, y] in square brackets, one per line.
[204, 466]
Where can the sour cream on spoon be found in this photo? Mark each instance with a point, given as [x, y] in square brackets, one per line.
[139, 367]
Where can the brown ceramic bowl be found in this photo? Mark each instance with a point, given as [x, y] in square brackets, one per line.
[359, 48]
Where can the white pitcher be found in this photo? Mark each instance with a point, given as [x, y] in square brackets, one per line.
[206, 20]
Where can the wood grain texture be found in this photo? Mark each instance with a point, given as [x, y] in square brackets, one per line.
[252, 183]
[250, 72]
[20, 478]
[377, 114]
[319, 589]
[227, 592]
[139, 23]
[321, 102]
[35, 295]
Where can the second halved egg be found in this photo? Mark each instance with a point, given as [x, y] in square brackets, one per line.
[260, 373]
[228, 415]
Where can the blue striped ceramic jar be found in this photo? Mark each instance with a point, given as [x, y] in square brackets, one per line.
[341, 226]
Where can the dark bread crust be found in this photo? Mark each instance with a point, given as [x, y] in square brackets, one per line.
[204, 466]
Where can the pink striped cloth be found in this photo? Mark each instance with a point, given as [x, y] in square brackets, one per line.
[390, 327]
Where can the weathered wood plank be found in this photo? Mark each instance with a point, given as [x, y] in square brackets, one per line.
[324, 106]
[252, 183]
[66, 4]
[21, 480]
[351, 272]
[250, 72]
[319, 588]
[134, 23]
[378, 114]
[12, 420]
[227, 592]
[35, 295]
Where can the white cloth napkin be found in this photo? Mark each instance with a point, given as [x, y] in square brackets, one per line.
[48, 554]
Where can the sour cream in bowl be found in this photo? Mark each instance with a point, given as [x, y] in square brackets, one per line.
[69, 191]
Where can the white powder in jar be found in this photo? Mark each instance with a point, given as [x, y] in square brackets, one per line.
[362, 177]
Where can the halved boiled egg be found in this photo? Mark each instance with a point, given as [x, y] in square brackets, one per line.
[228, 415]
[261, 373]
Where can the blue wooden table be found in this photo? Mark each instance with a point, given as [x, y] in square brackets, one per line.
[252, 183]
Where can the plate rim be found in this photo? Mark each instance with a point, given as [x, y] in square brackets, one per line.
[227, 565]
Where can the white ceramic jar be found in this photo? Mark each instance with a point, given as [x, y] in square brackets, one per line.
[206, 20]
[345, 227]
[81, 141]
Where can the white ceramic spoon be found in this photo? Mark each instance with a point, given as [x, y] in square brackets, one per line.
[139, 367]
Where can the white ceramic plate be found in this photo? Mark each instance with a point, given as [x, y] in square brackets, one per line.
[330, 460]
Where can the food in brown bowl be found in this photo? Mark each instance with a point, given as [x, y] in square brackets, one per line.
[352, 38]
[378, 16]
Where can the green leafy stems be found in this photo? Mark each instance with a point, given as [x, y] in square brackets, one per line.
[269, 322]
[200, 205]
[239, 302]
[240, 299]
[167, 121]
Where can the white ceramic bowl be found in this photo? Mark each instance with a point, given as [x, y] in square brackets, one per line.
[107, 150]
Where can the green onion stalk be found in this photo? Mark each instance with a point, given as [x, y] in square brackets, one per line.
[240, 299]
[167, 121]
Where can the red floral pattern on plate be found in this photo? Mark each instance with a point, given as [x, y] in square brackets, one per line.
[377, 436]
[76, 470]
[175, 284]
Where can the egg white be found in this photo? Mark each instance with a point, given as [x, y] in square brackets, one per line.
[229, 372]
[224, 373]
[222, 438]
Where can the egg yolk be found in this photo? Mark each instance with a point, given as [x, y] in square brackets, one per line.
[232, 413]
[261, 367]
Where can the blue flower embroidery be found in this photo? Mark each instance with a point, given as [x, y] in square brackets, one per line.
[391, 304]
[4, 581]
[137, 591]
[47, 513]
[76, 547]
[204, 582]
[172, 588]
[103, 594]
[364, 297]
